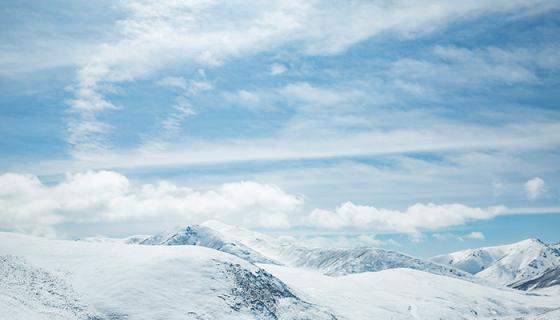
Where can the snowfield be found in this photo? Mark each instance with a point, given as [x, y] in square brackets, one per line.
[120, 281]
[410, 294]
[28, 292]
[208, 272]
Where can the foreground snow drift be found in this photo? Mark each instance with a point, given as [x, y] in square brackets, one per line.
[120, 281]
[28, 292]
[411, 294]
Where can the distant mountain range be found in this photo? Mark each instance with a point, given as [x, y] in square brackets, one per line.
[259, 248]
[525, 265]
[509, 265]
[217, 271]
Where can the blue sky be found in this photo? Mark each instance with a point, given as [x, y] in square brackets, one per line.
[418, 126]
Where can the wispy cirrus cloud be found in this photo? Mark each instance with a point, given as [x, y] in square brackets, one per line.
[152, 37]
[478, 68]
[298, 142]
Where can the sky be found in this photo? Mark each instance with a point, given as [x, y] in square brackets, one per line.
[418, 126]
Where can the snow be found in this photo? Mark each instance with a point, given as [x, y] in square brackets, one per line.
[550, 315]
[32, 293]
[259, 248]
[333, 262]
[549, 278]
[204, 236]
[205, 272]
[158, 282]
[505, 264]
[128, 240]
[410, 294]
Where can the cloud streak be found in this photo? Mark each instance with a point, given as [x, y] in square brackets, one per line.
[299, 143]
[156, 36]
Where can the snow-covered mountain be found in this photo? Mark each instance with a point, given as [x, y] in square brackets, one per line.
[198, 235]
[343, 261]
[505, 264]
[128, 240]
[259, 248]
[547, 279]
[118, 281]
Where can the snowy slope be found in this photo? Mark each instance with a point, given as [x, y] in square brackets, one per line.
[337, 262]
[206, 237]
[505, 264]
[333, 262]
[128, 240]
[259, 248]
[116, 281]
[28, 292]
[550, 315]
[411, 294]
[549, 278]
[120, 281]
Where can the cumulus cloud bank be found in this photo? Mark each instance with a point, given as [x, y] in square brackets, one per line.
[417, 218]
[30, 206]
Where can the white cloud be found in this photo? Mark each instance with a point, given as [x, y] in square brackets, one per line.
[535, 188]
[30, 206]
[417, 218]
[246, 99]
[155, 36]
[343, 241]
[299, 142]
[104, 196]
[181, 110]
[478, 67]
[309, 94]
[476, 235]
[173, 82]
[277, 68]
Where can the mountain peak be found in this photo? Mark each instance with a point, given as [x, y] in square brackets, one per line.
[505, 264]
[531, 242]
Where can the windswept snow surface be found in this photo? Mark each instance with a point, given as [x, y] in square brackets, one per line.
[411, 294]
[28, 292]
[157, 282]
[116, 281]
[505, 264]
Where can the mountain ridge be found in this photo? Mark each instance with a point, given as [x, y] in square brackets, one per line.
[505, 264]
